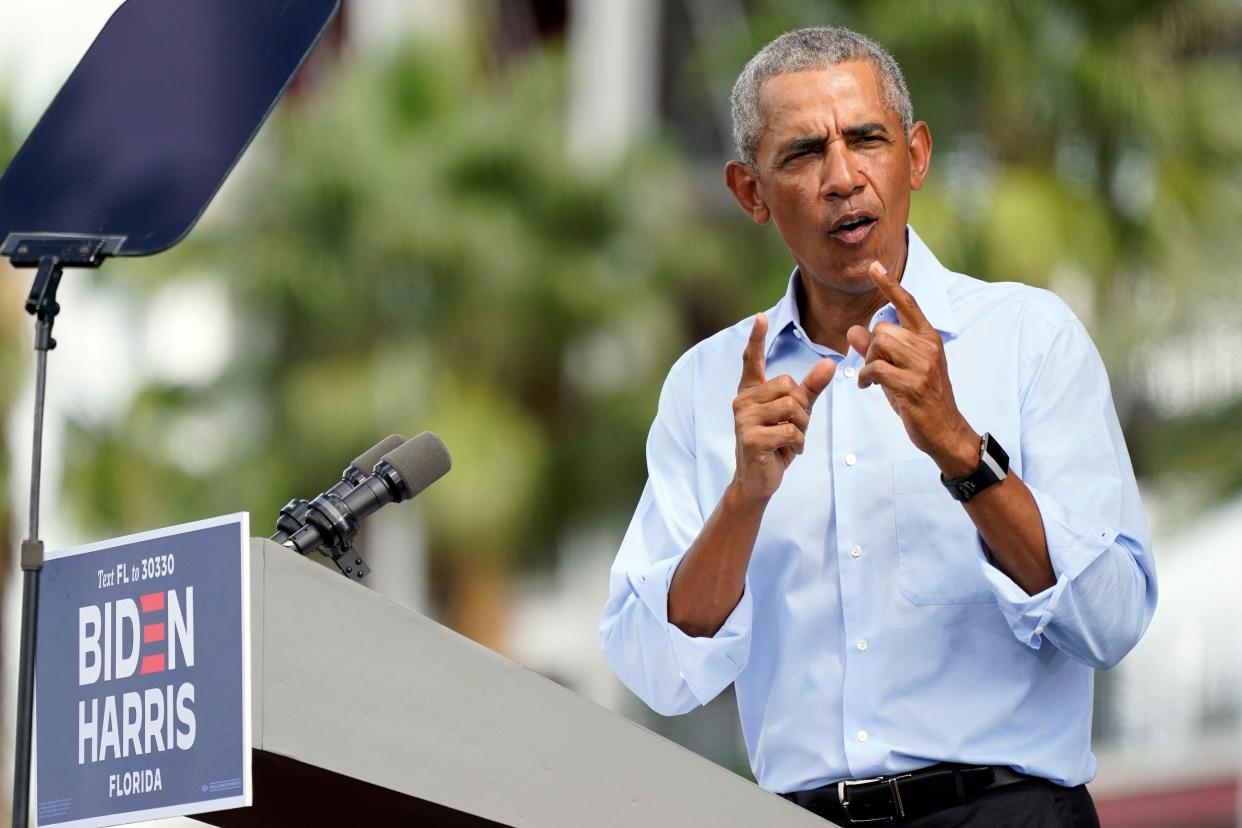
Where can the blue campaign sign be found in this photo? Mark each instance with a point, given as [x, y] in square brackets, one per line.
[142, 678]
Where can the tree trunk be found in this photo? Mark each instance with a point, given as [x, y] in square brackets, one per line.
[478, 601]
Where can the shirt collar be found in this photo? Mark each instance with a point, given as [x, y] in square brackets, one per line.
[784, 315]
[924, 277]
[928, 282]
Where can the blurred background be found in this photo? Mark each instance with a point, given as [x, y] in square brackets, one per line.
[503, 221]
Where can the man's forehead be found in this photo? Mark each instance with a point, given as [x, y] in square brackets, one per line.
[844, 93]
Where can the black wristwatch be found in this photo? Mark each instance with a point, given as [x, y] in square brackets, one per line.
[993, 467]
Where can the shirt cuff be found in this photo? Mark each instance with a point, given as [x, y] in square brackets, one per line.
[706, 665]
[1073, 544]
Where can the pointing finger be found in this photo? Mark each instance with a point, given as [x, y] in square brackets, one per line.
[908, 311]
[752, 357]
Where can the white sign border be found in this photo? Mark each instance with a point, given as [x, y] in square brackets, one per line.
[246, 798]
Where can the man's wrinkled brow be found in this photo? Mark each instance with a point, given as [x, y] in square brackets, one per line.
[807, 142]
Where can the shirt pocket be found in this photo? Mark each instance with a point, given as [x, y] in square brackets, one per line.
[939, 556]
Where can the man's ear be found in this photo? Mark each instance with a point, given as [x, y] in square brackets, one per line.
[920, 154]
[743, 182]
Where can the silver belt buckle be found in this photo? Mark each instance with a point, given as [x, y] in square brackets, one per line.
[845, 784]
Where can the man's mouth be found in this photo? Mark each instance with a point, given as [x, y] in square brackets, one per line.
[852, 228]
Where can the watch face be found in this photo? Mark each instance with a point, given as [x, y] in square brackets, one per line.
[994, 448]
[994, 457]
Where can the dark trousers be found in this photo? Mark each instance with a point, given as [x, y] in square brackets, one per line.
[1034, 804]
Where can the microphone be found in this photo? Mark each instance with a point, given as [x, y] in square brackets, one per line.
[293, 515]
[332, 519]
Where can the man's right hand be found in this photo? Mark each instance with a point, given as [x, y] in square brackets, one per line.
[770, 417]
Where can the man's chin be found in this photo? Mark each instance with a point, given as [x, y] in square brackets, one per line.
[848, 276]
[858, 277]
[851, 265]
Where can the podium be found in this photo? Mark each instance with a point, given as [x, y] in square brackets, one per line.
[366, 712]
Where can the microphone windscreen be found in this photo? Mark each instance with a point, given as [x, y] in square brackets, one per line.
[366, 461]
[420, 460]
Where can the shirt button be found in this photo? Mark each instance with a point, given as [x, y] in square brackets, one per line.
[849, 373]
[1039, 630]
[861, 736]
[863, 645]
[850, 459]
[856, 550]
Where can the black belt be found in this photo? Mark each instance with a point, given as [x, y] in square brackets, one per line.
[904, 796]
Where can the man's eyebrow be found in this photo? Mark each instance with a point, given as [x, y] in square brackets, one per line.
[810, 142]
[865, 129]
[805, 143]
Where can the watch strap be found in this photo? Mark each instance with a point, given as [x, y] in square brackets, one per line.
[992, 469]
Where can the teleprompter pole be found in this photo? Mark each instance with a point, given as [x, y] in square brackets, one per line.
[42, 304]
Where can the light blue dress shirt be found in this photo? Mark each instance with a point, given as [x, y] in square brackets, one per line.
[874, 634]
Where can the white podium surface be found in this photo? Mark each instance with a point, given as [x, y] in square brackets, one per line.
[347, 681]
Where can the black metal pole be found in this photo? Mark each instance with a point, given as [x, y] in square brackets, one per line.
[43, 304]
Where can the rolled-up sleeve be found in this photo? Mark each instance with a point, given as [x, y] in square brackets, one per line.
[669, 670]
[1075, 463]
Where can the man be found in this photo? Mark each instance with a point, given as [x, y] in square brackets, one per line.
[832, 522]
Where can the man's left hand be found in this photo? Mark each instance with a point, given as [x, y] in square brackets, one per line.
[907, 360]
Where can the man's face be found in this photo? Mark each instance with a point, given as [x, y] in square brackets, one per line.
[835, 171]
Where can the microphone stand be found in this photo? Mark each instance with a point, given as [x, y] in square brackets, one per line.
[50, 255]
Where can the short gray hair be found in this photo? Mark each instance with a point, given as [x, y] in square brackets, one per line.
[803, 49]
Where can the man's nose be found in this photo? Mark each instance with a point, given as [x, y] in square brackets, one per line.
[842, 178]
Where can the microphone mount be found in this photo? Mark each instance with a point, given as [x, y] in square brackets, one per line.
[334, 518]
[334, 514]
[292, 515]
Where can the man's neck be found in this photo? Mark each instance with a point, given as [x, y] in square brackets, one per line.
[827, 313]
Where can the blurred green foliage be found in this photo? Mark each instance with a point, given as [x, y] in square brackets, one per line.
[416, 252]
[16, 339]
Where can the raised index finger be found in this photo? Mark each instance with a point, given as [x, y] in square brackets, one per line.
[752, 357]
[908, 311]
